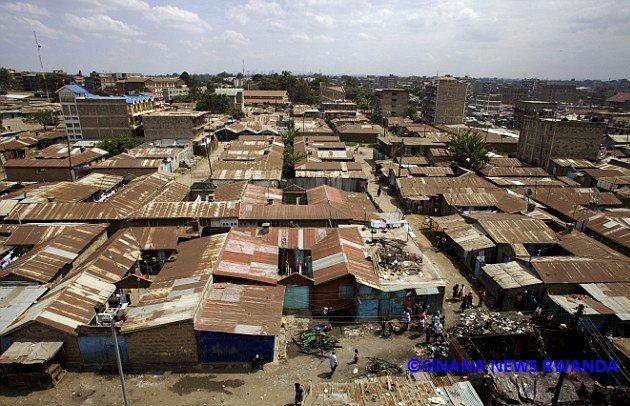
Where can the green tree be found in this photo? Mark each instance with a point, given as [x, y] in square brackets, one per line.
[289, 135]
[237, 113]
[118, 145]
[214, 103]
[290, 158]
[44, 118]
[185, 76]
[7, 81]
[468, 150]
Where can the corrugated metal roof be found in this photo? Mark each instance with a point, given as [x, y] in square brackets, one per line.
[187, 210]
[616, 229]
[154, 238]
[541, 182]
[66, 192]
[580, 244]
[341, 253]
[34, 234]
[122, 163]
[173, 192]
[64, 212]
[513, 172]
[579, 270]
[247, 192]
[570, 302]
[247, 257]
[615, 296]
[346, 170]
[14, 300]
[321, 211]
[518, 230]
[463, 393]
[242, 309]
[177, 291]
[433, 186]
[469, 239]
[25, 352]
[505, 162]
[499, 199]
[46, 261]
[101, 180]
[511, 275]
[6, 206]
[113, 259]
[67, 305]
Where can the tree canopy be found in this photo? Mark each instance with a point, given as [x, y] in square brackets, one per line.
[43, 118]
[468, 149]
[118, 144]
[214, 103]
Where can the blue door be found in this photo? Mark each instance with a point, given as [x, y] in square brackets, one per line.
[367, 309]
[224, 347]
[296, 297]
[477, 270]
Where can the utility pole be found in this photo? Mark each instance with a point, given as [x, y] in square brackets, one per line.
[120, 369]
[576, 321]
[41, 64]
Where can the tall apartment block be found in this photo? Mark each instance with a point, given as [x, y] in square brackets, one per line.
[445, 101]
[391, 103]
[543, 139]
[94, 117]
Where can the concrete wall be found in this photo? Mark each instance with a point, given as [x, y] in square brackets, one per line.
[175, 126]
[168, 344]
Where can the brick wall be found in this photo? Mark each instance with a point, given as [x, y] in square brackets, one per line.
[40, 332]
[169, 344]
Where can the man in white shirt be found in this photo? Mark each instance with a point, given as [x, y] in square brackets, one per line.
[333, 363]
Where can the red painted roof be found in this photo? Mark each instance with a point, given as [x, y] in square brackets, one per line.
[620, 97]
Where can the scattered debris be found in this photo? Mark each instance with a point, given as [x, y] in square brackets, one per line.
[479, 323]
[316, 342]
[379, 366]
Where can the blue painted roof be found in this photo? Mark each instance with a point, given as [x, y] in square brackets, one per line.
[128, 99]
[76, 89]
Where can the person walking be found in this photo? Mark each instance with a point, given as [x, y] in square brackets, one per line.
[428, 334]
[406, 319]
[469, 299]
[299, 393]
[464, 304]
[462, 292]
[482, 297]
[333, 363]
[455, 291]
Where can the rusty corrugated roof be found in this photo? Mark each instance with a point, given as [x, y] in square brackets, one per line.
[519, 230]
[46, 261]
[67, 305]
[579, 244]
[188, 210]
[242, 309]
[341, 253]
[579, 270]
[247, 257]
[34, 234]
[177, 291]
[616, 229]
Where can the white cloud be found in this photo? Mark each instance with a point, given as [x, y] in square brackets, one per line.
[300, 36]
[37, 26]
[101, 23]
[235, 37]
[255, 10]
[175, 17]
[324, 38]
[25, 8]
[367, 36]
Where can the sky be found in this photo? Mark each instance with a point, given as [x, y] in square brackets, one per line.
[547, 39]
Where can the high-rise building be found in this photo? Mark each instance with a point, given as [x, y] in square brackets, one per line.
[391, 103]
[445, 101]
[93, 117]
[543, 139]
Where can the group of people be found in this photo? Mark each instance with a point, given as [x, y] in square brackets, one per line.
[525, 300]
[459, 294]
[432, 328]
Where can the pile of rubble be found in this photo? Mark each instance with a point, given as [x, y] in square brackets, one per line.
[478, 323]
[390, 258]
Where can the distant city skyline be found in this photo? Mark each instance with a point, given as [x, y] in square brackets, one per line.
[557, 40]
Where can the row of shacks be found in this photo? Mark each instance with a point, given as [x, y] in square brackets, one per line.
[523, 263]
[199, 287]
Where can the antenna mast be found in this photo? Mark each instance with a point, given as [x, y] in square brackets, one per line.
[41, 64]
